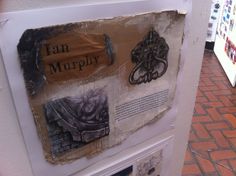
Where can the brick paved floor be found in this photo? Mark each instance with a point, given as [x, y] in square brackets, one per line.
[212, 143]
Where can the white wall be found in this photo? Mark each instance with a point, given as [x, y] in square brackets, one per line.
[13, 155]
[192, 52]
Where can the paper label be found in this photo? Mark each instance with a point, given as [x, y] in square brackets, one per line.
[74, 55]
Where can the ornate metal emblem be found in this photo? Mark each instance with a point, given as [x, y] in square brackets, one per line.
[75, 121]
[150, 57]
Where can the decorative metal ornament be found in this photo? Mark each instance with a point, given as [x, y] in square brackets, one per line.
[150, 57]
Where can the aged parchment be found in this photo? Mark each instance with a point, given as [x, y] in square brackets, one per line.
[129, 106]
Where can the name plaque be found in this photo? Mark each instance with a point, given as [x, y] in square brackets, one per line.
[75, 55]
[52, 55]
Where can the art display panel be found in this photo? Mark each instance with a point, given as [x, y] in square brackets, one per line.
[95, 87]
[85, 80]
[151, 161]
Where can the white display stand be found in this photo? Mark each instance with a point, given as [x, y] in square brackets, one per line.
[219, 48]
[226, 63]
[14, 160]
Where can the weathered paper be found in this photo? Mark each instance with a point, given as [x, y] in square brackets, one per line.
[137, 87]
[150, 166]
